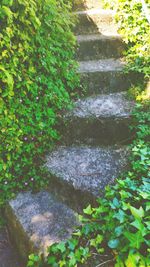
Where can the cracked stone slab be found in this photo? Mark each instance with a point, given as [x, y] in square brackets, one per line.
[87, 169]
[101, 119]
[37, 221]
[97, 46]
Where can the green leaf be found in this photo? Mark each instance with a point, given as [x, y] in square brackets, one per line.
[139, 225]
[135, 240]
[88, 210]
[61, 247]
[114, 243]
[137, 213]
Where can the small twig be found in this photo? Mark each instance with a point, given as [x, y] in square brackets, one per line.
[103, 263]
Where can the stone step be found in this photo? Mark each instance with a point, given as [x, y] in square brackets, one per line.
[36, 221]
[87, 4]
[96, 21]
[101, 119]
[104, 76]
[97, 46]
[79, 174]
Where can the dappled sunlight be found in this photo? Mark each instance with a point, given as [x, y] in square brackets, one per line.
[42, 217]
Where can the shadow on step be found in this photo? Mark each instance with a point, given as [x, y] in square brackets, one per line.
[75, 199]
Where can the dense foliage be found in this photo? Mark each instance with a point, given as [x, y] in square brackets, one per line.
[135, 29]
[117, 231]
[37, 78]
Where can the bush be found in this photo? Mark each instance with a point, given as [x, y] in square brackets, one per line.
[37, 78]
[134, 27]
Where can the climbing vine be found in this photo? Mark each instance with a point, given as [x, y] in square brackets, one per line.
[37, 79]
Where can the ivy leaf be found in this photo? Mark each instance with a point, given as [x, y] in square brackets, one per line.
[135, 240]
[138, 224]
[132, 260]
[137, 213]
[119, 230]
[120, 215]
[114, 243]
[61, 247]
[88, 210]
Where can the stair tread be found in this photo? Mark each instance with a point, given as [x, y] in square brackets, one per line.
[97, 36]
[95, 11]
[102, 65]
[96, 20]
[42, 219]
[110, 105]
[86, 4]
[88, 169]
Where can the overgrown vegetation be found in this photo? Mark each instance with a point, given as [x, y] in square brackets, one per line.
[118, 230]
[37, 78]
[135, 29]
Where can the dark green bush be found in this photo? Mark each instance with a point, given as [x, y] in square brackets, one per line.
[37, 78]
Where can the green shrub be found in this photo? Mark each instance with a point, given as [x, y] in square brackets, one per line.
[37, 78]
[135, 29]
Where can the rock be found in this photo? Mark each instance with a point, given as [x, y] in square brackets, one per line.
[101, 119]
[87, 169]
[96, 20]
[104, 76]
[97, 46]
[36, 221]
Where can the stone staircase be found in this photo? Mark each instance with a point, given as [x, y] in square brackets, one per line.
[93, 151]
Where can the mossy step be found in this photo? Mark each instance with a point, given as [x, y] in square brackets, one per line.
[96, 21]
[79, 174]
[97, 46]
[101, 119]
[104, 76]
[36, 221]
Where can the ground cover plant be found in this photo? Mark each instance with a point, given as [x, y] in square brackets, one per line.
[37, 79]
[117, 231]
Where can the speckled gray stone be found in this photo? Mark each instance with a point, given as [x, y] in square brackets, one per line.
[87, 169]
[104, 76]
[110, 105]
[101, 119]
[36, 221]
[101, 65]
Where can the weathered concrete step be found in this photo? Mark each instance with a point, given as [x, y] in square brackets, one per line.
[82, 172]
[97, 46]
[102, 119]
[36, 221]
[96, 21]
[87, 4]
[104, 76]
